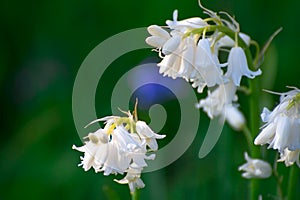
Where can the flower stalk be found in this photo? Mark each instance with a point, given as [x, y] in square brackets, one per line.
[248, 136]
[292, 185]
[135, 195]
[254, 128]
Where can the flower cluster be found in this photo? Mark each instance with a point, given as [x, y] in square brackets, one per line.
[191, 48]
[282, 128]
[222, 101]
[120, 147]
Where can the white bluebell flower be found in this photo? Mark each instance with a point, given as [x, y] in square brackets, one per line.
[255, 168]
[238, 66]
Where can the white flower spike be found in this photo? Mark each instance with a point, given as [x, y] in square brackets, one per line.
[255, 168]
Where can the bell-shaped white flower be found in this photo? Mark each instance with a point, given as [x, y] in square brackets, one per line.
[170, 65]
[255, 168]
[179, 57]
[238, 67]
[96, 140]
[207, 64]
[282, 128]
[290, 157]
[147, 135]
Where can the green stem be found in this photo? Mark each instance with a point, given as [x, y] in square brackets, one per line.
[254, 127]
[135, 195]
[254, 122]
[292, 185]
[248, 137]
[256, 53]
[227, 31]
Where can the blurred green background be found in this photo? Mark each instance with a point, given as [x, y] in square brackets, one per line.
[42, 45]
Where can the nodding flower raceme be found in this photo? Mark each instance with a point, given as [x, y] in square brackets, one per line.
[255, 168]
[120, 147]
[190, 48]
[282, 128]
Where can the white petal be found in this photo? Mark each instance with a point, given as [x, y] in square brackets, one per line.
[170, 65]
[265, 115]
[281, 139]
[238, 66]
[293, 136]
[171, 45]
[155, 41]
[205, 64]
[122, 181]
[234, 117]
[289, 157]
[146, 133]
[188, 58]
[266, 135]
[158, 31]
[226, 41]
[246, 38]
[215, 102]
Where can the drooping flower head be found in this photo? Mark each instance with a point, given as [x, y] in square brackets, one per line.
[282, 128]
[190, 48]
[120, 147]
